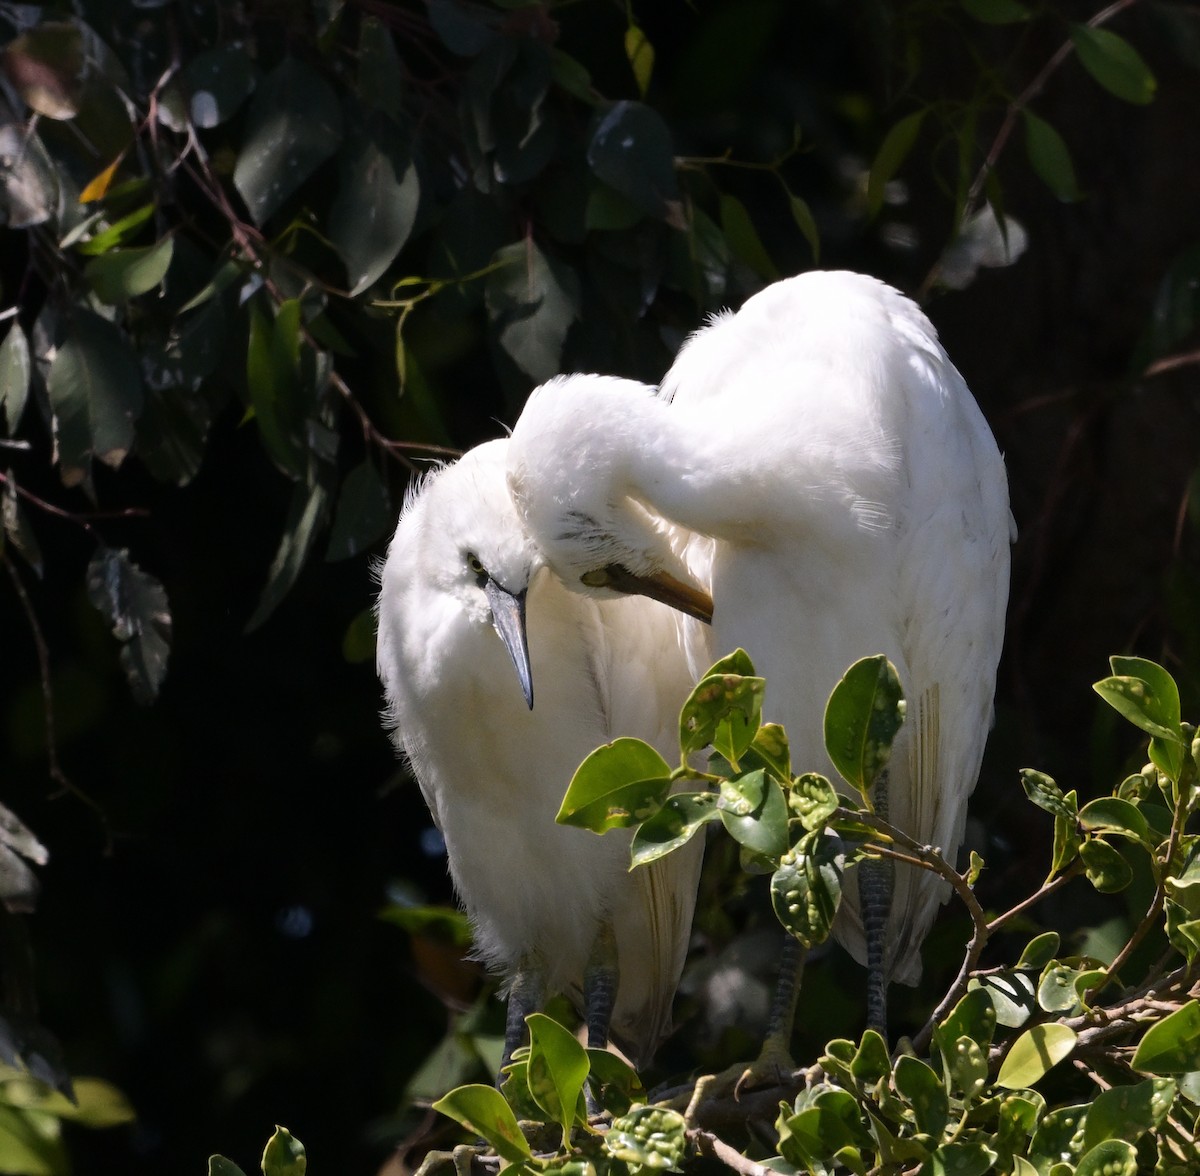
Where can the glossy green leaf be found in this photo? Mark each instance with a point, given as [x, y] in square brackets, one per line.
[618, 785]
[1050, 157]
[1033, 1053]
[1056, 988]
[812, 798]
[1128, 1112]
[210, 88]
[363, 515]
[653, 1138]
[558, 1069]
[96, 395]
[724, 711]
[770, 750]
[863, 715]
[923, 1090]
[616, 1084]
[135, 606]
[483, 1110]
[754, 812]
[967, 1067]
[1057, 1136]
[807, 888]
[998, 12]
[31, 1144]
[1017, 1118]
[1145, 694]
[974, 1017]
[123, 274]
[220, 1166]
[1104, 867]
[1114, 63]
[1113, 1157]
[273, 380]
[1109, 814]
[1013, 996]
[871, 1060]
[284, 1155]
[1046, 794]
[893, 151]
[375, 206]
[1040, 950]
[293, 125]
[14, 377]
[830, 1122]
[631, 151]
[1173, 1045]
[1067, 840]
[532, 300]
[681, 816]
[117, 234]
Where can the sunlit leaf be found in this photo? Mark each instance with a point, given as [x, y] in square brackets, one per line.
[863, 716]
[924, 1092]
[293, 125]
[973, 1017]
[1113, 1157]
[1012, 995]
[960, 1159]
[640, 53]
[1173, 1045]
[135, 606]
[807, 888]
[558, 1069]
[681, 816]
[723, 710]
[1035, 1052]
[1128, 1112]
[812, 798]
[1114, 63]
[1109, 814]
[483, 1110]
[754, 811]
[31, 186]
[619, 784]
[653, 1138]
[1105, 867]
[221, 1166]
[1047, 795]
[1039, 951]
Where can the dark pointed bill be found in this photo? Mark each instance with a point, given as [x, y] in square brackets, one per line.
[663, 587]
[508, 617]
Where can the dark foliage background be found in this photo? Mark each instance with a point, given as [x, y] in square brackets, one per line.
[208, 935]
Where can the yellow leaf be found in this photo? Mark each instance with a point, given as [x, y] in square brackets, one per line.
[99, 185]
[641, 57]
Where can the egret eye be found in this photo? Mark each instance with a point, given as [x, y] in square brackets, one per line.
[476, 566]
[597, 578]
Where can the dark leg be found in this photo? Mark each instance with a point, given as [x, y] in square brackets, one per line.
[600, 979]
[524, 997]
[876, 880]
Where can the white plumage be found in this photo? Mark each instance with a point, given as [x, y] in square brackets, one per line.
[493, 771]
[822, 467]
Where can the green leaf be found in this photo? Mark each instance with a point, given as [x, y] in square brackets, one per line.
[135, 606]
[293, 125]
[1173, 1045]
[305, 520]
[923, 1090]
[863, 715]
[558, 1069]
[483, 1110]
[649, 1137]
[1109, 814]
[123, 274]
[31, 1143]
[769, 749]
[675, 824]
[376, 203]
[220, 1166]
[1012, 995]
[754, 811]
[893, 151]
[1113, 1157]
[532, 300]
[1145, 694]
[209, 90]
[724, 711]
[960, 1159]
[974, 1017]
[1040, 950]
[998, 12]
[1114, 63]
[1056, 988]
[1049, 157]
[1128, 1112]
[631, 151]
[640, 53]
[284, 1155]
[1104, 866]
[871, 1060]
[96, 395]
[273, 380]
[124, 229]
[1058, 1137]
[744, 241]
[618, 785]
[14, 377]
[1033, 1053]
[46, 65]
[1047, 795]
[807, 224]
[1067, 840]
[812, 798]
[616, 1083]
[363, 514]
[807, 888]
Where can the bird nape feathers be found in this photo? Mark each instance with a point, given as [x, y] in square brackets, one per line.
[551, 906]
[819, 466]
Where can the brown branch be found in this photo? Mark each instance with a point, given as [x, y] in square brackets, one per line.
[710, 1145]
[1168, 363]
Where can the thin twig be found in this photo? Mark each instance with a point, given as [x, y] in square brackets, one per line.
[710, 1145]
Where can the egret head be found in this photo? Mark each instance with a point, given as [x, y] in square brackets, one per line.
[570, 474]
[460, 557]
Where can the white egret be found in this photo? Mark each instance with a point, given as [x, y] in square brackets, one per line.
[856, 504]
[550, 905]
